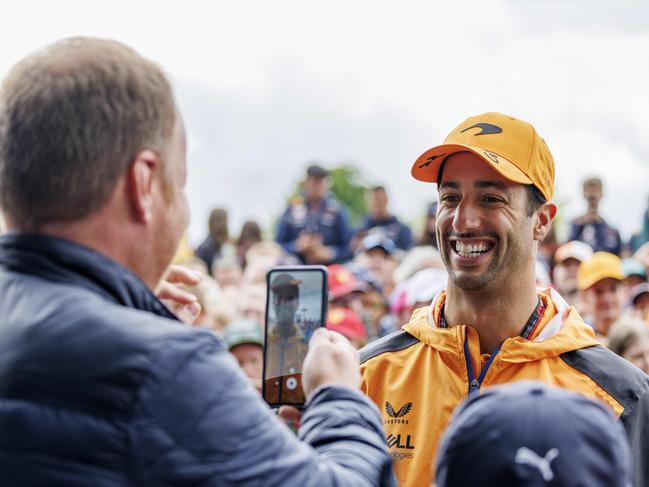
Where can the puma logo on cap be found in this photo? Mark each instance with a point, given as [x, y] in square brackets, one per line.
[525, 456]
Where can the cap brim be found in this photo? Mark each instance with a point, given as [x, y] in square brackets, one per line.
[426, 167]
[597, 276]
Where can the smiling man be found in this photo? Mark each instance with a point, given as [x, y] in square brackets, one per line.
[491, 325]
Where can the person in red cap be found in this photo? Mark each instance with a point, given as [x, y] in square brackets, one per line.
[349, 325]
[344, 288]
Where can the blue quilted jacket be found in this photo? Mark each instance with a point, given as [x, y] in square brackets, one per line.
[100, 385]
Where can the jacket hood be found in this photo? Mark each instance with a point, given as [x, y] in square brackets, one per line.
[562, 332]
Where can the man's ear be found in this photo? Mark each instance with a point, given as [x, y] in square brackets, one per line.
[142, 175]
[544, 217]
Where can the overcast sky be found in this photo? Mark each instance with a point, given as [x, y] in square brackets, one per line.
[267, 86]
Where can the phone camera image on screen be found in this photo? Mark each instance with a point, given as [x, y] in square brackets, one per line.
[296, 306]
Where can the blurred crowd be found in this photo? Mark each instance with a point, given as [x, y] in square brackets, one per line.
[380, 271]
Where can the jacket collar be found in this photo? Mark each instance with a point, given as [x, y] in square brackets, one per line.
[58, 260]
[561, 330]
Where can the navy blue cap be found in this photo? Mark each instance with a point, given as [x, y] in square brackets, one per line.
[378, 241]
[532, 434]
[316, 171]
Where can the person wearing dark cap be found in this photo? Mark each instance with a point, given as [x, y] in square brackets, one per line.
[491, 325]
[315, 227]
[639, 300]
[380, 218]
[529, 434]
[285, 343]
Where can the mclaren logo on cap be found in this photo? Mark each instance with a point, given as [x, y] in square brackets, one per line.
[486, 128]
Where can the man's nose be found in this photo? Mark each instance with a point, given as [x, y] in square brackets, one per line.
[467, 217]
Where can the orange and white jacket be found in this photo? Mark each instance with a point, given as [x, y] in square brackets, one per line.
[418, 375]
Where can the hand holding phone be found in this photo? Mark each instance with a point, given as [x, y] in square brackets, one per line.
[331, 359]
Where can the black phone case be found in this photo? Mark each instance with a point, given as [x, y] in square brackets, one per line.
[289, 390]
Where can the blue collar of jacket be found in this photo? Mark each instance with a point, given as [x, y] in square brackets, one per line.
[58, 260]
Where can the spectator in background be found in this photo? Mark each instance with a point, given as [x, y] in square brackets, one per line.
[252, 302]
[634, 274]
[250, 235]
[564, 274]
[591, 228]
[639, 301]
[314, 227]
[379, 218]
[245, 341]
[629, 338]
[642, 256]
[344, 289]
[349, 325]
[529, 434]
[428, 236]
[227, 272]
[260, 258]
[600, 281]
[375, 254]
[642, 237]
[421, 288]
[214, 245]
[415, 260]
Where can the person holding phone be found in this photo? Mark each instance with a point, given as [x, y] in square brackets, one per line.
[100, 383]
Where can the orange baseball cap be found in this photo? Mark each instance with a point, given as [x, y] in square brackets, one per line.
[600, 266]
[510, 146]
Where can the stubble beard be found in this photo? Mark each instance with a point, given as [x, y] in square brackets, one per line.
[500, 270]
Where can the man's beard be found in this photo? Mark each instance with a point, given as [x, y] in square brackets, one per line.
[498, 270]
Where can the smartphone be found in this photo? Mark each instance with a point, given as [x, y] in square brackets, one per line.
[296, 304]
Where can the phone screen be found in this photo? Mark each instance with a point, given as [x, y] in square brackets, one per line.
[296, 305]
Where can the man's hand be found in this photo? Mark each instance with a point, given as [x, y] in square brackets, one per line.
[304, 242]
[182, 303]
[331, 359]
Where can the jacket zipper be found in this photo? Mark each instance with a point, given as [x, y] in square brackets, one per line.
[476, 383]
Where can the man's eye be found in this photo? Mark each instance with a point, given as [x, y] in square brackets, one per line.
[450, 198]
[491, 199]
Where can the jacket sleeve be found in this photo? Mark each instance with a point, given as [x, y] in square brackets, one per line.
[201, 423]
[285, 235]
[636, 424]
[405, 237]
[341, 248]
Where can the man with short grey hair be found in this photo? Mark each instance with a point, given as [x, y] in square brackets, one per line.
[100, 384]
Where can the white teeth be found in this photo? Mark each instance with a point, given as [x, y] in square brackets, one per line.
[471, 250]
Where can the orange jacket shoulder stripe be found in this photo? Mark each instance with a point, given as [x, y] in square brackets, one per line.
[418, 375]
